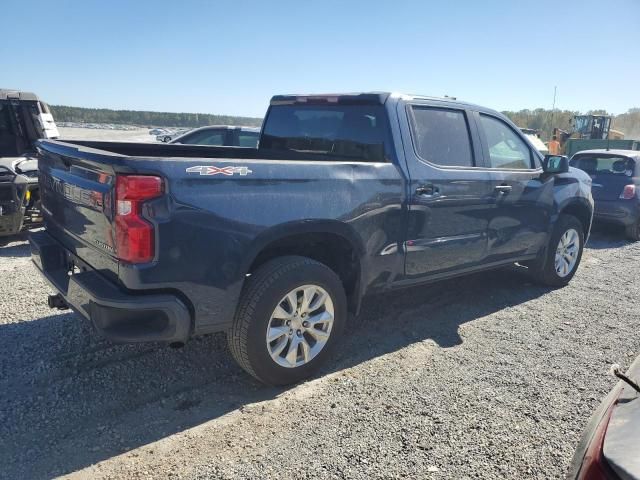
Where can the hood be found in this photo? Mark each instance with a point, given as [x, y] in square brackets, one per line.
[580, 175]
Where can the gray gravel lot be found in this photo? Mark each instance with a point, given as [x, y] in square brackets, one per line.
[483, 377]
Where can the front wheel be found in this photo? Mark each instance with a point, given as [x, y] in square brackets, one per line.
[291, 313]
[563, 254]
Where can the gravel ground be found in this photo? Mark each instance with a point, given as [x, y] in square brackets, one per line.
[483, 377]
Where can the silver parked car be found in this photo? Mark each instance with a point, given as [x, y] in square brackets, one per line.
[169, 135]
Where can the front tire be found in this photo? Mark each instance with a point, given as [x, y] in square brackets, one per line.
[633, 231]
[291, 313]
[560, 262]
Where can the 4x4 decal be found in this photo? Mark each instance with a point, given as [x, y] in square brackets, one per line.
[211, 170]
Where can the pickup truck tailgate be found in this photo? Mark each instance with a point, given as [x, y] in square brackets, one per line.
[77, 204]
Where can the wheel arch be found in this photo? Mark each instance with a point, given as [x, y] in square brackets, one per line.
[582, 210]
[332, 243]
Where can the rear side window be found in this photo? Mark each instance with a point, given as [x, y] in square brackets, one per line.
[205, 137]
[349, 132]
[506, 148]
[248, 139]
[441, 136]
[606, 165]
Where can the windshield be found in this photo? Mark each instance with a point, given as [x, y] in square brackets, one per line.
[18, 124]
[356, 132]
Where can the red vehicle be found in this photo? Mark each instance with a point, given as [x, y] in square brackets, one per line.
[610, 445]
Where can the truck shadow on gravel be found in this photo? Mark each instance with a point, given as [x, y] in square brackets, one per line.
[69, 400]
[607, 236]
[14, 250]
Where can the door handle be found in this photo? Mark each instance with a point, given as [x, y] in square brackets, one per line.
[503, 189]
[427, 190]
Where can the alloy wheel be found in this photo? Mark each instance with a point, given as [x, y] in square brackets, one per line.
[567, 252]
[300, 326]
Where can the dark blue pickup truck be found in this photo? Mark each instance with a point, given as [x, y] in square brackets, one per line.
[346, 196]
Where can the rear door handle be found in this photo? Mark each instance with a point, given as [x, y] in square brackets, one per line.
[503, 189]
[427, 190]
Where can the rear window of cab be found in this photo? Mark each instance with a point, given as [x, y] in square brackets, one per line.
[601, 165]
[337, 132]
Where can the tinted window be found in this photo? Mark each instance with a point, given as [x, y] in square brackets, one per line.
[607, 165]
[205, 137]
[441, 136]
[506, 148]
[248, 139]
[9, 141]
[351, 132]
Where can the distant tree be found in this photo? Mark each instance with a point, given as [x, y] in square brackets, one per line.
[628, 123]
[599, 111]
[63, 113]
[543, 120]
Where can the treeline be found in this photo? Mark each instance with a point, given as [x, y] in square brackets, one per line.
[544, 120]
[63, 113]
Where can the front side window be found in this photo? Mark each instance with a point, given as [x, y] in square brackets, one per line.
[349, 132]
[506, 149]
[441, 136]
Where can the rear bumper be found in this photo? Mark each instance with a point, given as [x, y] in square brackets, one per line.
[118, 315]
[621, 212]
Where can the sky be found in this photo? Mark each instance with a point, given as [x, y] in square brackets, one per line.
[230, 57]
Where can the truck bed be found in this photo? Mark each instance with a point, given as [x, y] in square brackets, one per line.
[164, 150]
[221, 206]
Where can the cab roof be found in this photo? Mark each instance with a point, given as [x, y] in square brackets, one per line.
[6, 94]
[635, 154]
[365, 98]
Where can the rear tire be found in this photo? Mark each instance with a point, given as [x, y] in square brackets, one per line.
[633, 231]
[560, 261]
[266, 310]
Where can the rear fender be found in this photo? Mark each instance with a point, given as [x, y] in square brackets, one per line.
[282, 231]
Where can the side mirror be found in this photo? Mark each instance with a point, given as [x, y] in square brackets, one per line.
[555, 164]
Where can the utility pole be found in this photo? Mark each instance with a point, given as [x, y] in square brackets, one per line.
[553, 107]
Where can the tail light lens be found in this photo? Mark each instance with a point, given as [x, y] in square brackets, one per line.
[135, 236]
[629, 192]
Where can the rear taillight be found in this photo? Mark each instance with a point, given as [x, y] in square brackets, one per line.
[594, 466]
[135, 236]
[629, 192]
